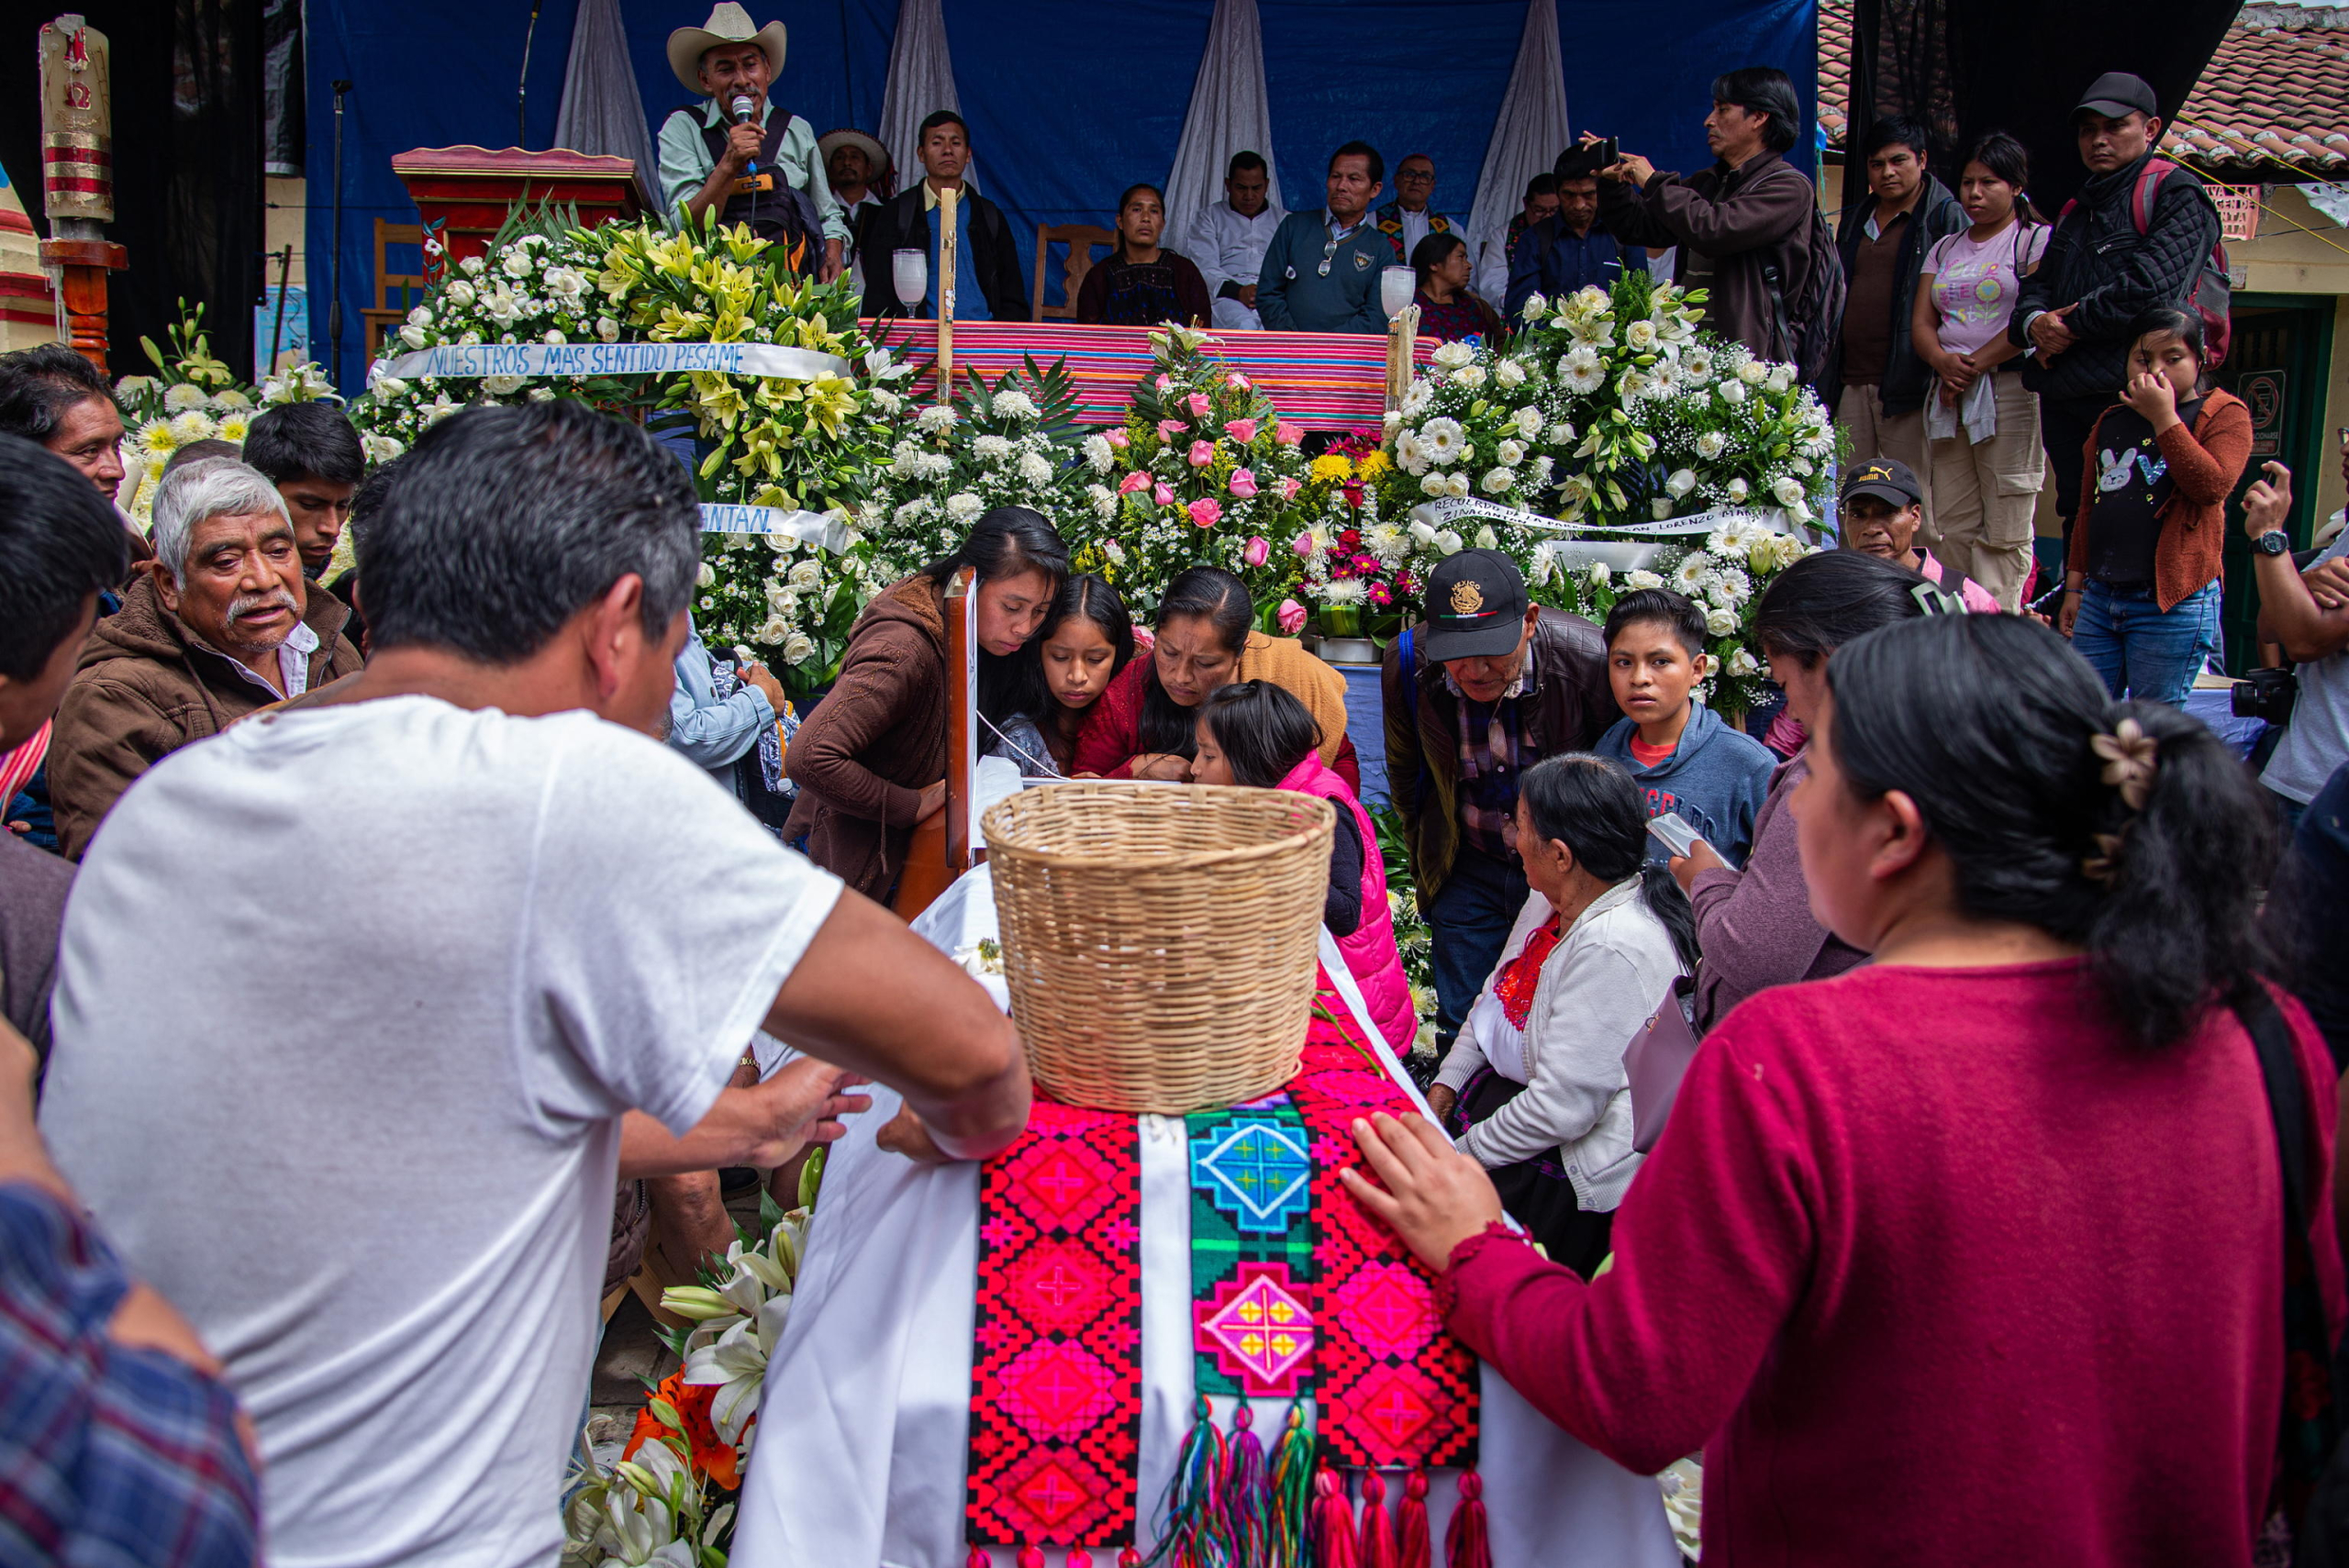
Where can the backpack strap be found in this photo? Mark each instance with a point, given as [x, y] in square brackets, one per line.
[2148, 191]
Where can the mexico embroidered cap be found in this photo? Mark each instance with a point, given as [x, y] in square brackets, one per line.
[1475, 606]
[1886, 478]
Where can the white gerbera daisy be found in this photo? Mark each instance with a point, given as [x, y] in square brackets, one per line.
[1690, 575]
[1410, 452]
[1446, 441]
[1582, 370]
[1416, 400]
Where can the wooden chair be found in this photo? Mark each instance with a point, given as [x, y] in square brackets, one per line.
[383, 318]
[1080, 238]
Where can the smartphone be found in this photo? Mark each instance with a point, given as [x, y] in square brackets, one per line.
[1610, 152]
[1672, 831]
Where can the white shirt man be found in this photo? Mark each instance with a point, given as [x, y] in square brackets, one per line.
[1227, 242]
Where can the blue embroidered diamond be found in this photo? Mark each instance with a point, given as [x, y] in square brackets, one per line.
[1256, 1171]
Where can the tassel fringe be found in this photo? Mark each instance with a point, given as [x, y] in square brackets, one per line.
[1333, 1522]
[1197, 1514]
[1466, 1543]
[1413, 1547]
[1292, 1494]
[1377, 1535]
[1248, 1492]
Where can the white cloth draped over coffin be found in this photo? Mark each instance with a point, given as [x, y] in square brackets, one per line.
[865, 1424]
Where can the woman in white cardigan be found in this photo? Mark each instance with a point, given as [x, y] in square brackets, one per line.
[1535, 1087]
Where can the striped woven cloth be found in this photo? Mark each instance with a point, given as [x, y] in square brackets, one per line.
[1322, 381]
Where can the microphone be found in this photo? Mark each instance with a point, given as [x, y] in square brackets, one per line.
[740, 111]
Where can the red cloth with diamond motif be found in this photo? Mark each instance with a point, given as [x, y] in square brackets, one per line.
[1056, 1369]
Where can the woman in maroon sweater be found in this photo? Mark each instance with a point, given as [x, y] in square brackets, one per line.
[1973, 1255]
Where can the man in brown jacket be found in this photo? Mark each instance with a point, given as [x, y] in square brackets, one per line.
[1748, 215]
[222, 625]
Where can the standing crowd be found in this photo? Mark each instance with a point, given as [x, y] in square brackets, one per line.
[1997, 1180]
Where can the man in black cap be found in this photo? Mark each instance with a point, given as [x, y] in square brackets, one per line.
[2138, 235]
[1488, 687]
[1880, 512]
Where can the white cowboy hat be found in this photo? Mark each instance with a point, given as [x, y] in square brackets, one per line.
[728, 24]
[874, 153]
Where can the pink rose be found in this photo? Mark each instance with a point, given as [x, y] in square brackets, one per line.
[1199, 405]
[1117, 440]
[1241, 430]
[1165, 383]
[1169, 428]
[1291, 616]
[1206, 512]
[1202, 455]
[1243, 484]
[1239, 383]
[1287, 434]
[1258, 550]
[1162, 495]
[1289, 487]
[1132, 482]
[1303, 545]
[1144, 638]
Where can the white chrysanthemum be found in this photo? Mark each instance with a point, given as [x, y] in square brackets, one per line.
[1509, 374]
[1545, 565]
[1410, 452]
[963, 506]
[192, 426]
[1416, 396]
[1509, 454]
[236, 426]
[1541, 470]
[1582, 370]
[913, 512]
[1099, 453]
[1382, 539]
[1720, 623]
[1103, 500]
[933, 465]
[937, 416]
[1343, 591]
[230, 397]
[994, 448]
[1034, 470]
[1451, 356]
[184, 396]
[1639, 581]
[1446, 441]
[1014, 403]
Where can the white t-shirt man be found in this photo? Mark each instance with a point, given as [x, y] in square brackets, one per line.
[351, 1003]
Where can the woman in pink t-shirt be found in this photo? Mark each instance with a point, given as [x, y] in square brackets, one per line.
[1982, 423]
[1974, 1254]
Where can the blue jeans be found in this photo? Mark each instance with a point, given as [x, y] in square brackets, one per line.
[1468, 924]
[2141, 650]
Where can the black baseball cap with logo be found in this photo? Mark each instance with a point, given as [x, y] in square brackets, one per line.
[1886, 478]
[2116, 95]
[1475, 601]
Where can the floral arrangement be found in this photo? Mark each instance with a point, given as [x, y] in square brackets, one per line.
[1009, 444]
[1648, 419]
[1357, 568]
[1476, 424]
[1725, 578]
[669, 1500]
[1208, 470]
[194, 396]
[792, 604]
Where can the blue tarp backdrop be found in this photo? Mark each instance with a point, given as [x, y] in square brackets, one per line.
[1069, 101]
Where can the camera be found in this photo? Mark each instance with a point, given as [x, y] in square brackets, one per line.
[2265, 694]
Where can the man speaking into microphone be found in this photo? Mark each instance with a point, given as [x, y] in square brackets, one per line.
[741, 157]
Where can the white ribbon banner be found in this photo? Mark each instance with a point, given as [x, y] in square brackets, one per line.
[1453, 510]
[808, 527]
[536, 359]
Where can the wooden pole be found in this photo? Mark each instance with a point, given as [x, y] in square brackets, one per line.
[1400, 334]
[947, 203]
[940, 850]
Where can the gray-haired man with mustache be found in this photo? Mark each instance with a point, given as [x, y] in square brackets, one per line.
[223, 624]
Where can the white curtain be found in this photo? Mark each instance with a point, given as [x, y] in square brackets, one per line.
[602, 113]
[1528, 135]
[1229, 113]
[921, 81]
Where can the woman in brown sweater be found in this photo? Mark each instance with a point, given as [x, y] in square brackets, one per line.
[871, 759]
[2140, 574]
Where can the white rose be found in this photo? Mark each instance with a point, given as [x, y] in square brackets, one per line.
[1660, 509]
[1711, 444]
[1509, 373]
[554, 337]
[804, 574]
[1509, 454]
[1421, 531]
[1640, 336]
[1781, 377]
[1683, 481]
[772, 630]
[1734, 392]
[1743, 662]
[1451, 356]
[1639, 582]
[798, 648]
[1737, 489]
[1433, 485]
[517, 264]
[608, 329]
[419, 317]
[1533, 306]
[412, 335]
[460, 293]
[1527, 420]
[1471, 376]
[542, 394]
[1788, 490]
[1561, 433]
[1449, 542]
[1455, 484]
[1497, 481]
[1487, 538]
[379, 449]
[1752, 372]
[706, 577]
[502, 385]
[1720, 623]
[473, 266]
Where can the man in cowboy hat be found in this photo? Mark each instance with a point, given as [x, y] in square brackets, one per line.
[858, 169]
[763, 170]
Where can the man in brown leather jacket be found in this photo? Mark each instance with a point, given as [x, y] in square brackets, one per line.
[1488, 687]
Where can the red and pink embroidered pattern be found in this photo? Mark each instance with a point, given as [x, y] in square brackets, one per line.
[1056, 1367]
[1395, 1387]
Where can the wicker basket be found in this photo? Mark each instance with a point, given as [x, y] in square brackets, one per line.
[1160, 940]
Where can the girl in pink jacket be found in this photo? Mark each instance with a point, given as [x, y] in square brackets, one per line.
[1256, 734]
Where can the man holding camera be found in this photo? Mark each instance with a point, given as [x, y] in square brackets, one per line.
[2309, 614]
